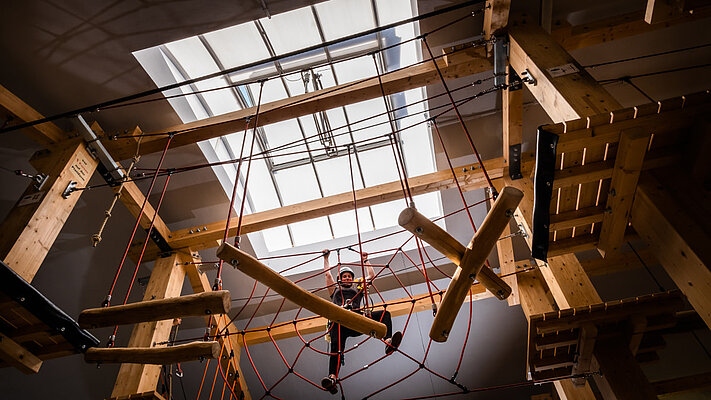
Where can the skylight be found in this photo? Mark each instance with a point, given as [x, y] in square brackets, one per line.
[308, 156]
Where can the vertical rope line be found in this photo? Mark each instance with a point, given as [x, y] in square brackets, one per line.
[454, 175]
[392, 127]
[143, 250]
[218, 279]
[405, 194]
[360, 243]
[249, 163]
[459, 115]
[138, 221]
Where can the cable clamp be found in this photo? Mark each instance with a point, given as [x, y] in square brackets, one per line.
[71, 188]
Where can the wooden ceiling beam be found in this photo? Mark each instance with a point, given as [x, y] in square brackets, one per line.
[459, 64]
[17, 356]
[496, 16]
[47, 134]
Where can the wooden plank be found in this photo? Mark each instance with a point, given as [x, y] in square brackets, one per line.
[465, 62]
[569, 219]
[133, 198]
[47, 134]
[265, 275]
[166, 281]
[154, 355]
[586, 345]
[628, 165]
[507, 264]
[31, 227]
[563, 97]
[446, 244]
[496, 16]
[17, 356]
[199, 304]
[473, 259]
[677, 241]
[663, 10]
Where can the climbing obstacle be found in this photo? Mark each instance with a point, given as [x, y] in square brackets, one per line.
[193, 305]
[260, 272]
[472, 259]
[154, 355]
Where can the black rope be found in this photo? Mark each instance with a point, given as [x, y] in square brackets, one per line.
[270, 60]
[647, 56]
[622, 78]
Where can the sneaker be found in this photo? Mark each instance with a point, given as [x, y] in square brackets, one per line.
[329, 383]
[393, 343]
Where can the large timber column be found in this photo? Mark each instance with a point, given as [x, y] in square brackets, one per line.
[30, 229]
[166, 281]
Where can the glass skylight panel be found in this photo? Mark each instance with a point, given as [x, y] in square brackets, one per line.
[297, 184]
[341, 18]
[272, 90]
[338, 125]
[334, 174]
[344, 223]
[368, 119]
[309, 126]
[311, 231]
[291, 31]
[390, 11]
[276, 238]
[193, 57]
[238, 45]
[385, 214]
[355, 69]
[219, 101]
[378, 166]
[284, 133]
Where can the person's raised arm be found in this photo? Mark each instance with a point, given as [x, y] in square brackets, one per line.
[330, 283]
[369, 272]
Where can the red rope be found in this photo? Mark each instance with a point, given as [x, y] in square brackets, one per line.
[135, 226]
[459, 116]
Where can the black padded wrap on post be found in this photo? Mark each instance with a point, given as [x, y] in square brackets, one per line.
[543, 191]
[34, 302]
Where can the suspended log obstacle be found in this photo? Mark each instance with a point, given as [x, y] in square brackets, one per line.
[207, 303]
[470, 259]
[154, 355]
[267, 276]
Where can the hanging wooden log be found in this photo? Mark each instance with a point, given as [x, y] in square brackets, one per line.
[443, 242]
[200, 304]
[267, 276]
[472, 261]
[154, 355]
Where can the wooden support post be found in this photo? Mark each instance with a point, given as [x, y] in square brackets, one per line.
[17, 356]
[155, 310]
[628, 165]
[472, 261]
[512, 110]
[677, 240]
[30, 229]
[443, 242]
[507, 264]
[260, 272]
[154, 355]
[663, 10]
[496, 16]
[166, 281]
[621, 370]
[586, 345]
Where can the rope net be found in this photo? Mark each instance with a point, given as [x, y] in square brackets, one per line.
[296, 341]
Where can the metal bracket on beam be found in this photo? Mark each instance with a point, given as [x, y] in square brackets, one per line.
[515, 161]
[543, 192]
[110, 170]
[160, 241]
[500, 53]
[515, 82]
[71, 188]
[528, 78]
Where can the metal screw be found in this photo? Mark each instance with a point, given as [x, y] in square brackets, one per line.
[234, 262]
[191, 231]
[22, 299]
[204, 228]
[419, 230]
[509, 213]
[198, 230]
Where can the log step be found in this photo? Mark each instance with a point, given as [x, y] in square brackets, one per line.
[200, 304]
[470, 259]
[267, 276]
[154, 355]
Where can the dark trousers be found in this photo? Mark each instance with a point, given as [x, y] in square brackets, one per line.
[339, 334]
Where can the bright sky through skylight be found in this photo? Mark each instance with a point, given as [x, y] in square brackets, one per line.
[303, 163]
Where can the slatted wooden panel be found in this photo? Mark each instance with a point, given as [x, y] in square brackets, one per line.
[555, 337]
[586, 156]
[28, 331]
